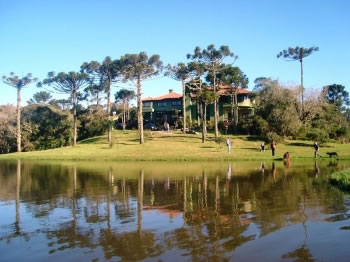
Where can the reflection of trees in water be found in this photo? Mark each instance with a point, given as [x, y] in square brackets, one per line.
[18, 188]
[217, 208]
[130, 246]
[303, 253]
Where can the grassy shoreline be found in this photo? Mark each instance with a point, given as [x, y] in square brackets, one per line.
[175, 146]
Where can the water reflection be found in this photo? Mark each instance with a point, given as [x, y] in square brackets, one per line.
[201, 211]
[18, 186]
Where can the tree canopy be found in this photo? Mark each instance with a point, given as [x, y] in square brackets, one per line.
[19, 83]
[337, 95]
[68, 83]
[42, 97]
[136, 68]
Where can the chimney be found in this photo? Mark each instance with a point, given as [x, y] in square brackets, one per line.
[171, 91]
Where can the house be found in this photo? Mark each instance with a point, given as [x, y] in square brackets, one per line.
[165, 108]
[168, 107]
[245, 104]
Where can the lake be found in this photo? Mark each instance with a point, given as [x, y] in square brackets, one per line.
[159, 211]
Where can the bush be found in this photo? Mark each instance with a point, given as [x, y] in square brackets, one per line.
[273, 136]
[180, 123]
[210, 125]
[8, 141]
[259, 126]
[195, 125]
[220, 140]
[319, 135]
[45, 127]
[92, 122]
[302, 132]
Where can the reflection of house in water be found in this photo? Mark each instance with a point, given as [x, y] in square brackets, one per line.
[171, 210]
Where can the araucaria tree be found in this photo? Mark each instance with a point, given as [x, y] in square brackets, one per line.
[68, 83]
[213, 59]
[206, 97]
[124, 95]
[95, 91]
[182, 73]
[104, 74]
[298, 54]
[237, 80]
[19, 83]
[42, 97]
[197, 69]
[136, 68]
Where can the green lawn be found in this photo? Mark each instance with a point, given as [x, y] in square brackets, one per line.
[175, 146]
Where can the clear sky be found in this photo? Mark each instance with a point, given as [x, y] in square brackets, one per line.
[39, 36]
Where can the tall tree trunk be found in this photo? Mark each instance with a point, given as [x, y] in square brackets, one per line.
[19, 147]
[184, 106]
[139, 110]
[199, 105]
[204, 122]
[74, 117]
[124, 114]
[199, 116]
[215, 107]
[236, 112]
[109, 111]
[128, 110]
[190, 115]
[232, 107]
[302, 88]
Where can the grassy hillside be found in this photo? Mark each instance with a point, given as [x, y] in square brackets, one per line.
[174, 146]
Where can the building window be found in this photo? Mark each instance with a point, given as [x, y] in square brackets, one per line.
[176, 103]
[160, 104]
[146, 104]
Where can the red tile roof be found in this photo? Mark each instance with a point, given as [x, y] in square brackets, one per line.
[224, 90]
[172, 95]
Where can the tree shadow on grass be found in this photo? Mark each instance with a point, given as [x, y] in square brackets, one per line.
[127, 144]
[93, 140]
[299, 144]
[251, 148]
[207, 147]
[254, 138]
[193, 139]
[307, 145]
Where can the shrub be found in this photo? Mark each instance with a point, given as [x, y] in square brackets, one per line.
[259, 126]
[302, 132]
[210, 125]
[319, 135]
[273, 136]
[45, 127]
[220, 140]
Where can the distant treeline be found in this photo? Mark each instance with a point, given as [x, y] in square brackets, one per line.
[280, 111]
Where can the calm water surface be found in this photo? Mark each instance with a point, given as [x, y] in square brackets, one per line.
[237, 211]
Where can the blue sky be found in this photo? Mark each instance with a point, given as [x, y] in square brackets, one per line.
[42, 36]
